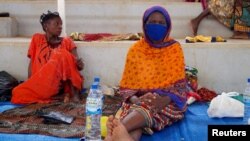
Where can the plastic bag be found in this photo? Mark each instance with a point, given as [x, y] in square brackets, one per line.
[57, 118]
[7, 83]
[225, 106]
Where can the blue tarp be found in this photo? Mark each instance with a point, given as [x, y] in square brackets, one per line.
[192, 128]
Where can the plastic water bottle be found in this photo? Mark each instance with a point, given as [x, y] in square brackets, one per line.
[246, 95]
[246, 100]
[93, 115]
[99, 89]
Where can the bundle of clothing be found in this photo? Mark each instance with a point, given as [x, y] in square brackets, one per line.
[76, 36]
[201, 38]
[195, 93]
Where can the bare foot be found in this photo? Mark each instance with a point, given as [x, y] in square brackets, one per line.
[76, 94]
[66, 98]
[76, 98]
[194, 24]
[109, 128]
[240, 35]
[120, 132]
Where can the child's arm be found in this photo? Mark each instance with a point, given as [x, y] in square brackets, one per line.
[80, 64]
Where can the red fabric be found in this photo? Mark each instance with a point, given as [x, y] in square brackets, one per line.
[95, 36]
[49, 68]
[192, 0]
[206, 94]
[195, 95]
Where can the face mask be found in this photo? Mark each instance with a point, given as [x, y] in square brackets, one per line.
[156, 32]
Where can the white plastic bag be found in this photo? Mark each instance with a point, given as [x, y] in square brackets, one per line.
[225, 106]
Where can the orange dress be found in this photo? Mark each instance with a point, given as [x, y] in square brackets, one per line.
[49, 67]
[161, 71]
[152, 68]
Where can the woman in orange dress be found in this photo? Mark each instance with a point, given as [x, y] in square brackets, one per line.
[153, 84]
[54, 65]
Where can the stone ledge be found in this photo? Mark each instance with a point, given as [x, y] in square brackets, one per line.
[221, 66]
[109, 16]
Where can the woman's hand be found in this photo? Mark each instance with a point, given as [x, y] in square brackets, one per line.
[134, 99]
[156, 101]
[80, 64]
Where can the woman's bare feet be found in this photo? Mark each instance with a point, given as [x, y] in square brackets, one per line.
[66, 98]
[120, 132]
[109, 128]
[116, 131]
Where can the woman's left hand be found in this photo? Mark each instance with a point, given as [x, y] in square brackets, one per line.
[80, 64]
[155, 101]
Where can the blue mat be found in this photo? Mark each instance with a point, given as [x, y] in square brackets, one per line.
[192, 128]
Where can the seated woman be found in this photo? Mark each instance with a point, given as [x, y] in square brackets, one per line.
[153, 84]
[234, 14]
[54, 64]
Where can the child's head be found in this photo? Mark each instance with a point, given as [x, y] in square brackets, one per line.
[51, 23]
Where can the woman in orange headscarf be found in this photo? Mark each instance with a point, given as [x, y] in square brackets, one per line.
[153, 84]
[54, 64]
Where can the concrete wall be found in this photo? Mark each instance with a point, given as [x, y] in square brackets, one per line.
[222, 66]
[112, 16]
[8, 27]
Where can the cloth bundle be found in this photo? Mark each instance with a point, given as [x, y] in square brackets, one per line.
[191, 76]
[88, 37]
[201, 38]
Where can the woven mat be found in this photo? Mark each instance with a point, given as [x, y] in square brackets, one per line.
[26, 120]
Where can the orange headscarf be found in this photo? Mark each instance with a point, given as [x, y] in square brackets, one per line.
[150, 67]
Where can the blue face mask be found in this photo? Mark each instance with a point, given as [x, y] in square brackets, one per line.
[156, 32]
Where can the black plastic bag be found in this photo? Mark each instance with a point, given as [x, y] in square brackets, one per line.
[7, 83]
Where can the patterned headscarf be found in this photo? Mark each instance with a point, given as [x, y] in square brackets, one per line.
[167, 41]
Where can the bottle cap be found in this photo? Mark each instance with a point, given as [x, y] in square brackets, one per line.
[97, 79]
[248, 80]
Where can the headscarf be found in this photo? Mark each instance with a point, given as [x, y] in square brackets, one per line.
[155, 67]
[167, 41]
[149, 67]
[152, 68]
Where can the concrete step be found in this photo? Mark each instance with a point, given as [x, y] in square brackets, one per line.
[8, 27]
[221, 66]
[112, 16]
